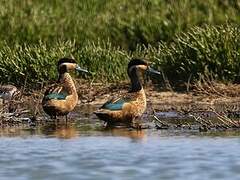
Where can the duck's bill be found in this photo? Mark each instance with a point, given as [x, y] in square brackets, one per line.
[79, 69]
[153, 71]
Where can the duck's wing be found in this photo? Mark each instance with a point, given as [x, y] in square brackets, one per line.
[116, 103]
[55, 92]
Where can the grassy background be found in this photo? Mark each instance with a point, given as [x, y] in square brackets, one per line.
[185, 38]
[125, 23]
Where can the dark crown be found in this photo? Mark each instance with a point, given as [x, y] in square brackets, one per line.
[136, 61]
[66, 60]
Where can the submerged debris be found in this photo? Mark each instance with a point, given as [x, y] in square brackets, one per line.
[212, 120]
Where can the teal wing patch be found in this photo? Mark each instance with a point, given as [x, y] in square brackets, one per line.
[117, 105]
[58, 96]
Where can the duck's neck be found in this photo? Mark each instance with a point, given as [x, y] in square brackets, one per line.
[66, 80]
[135, 81]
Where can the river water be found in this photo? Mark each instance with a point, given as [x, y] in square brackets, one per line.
[83, 151]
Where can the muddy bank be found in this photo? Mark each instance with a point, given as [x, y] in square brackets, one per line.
[199, 98]
[201, 101]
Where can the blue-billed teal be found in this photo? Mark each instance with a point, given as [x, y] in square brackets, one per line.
[131, 106]
[62, 97]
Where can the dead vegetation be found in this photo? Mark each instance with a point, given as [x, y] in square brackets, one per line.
[208, 86]
[210, 105]
[200, 120]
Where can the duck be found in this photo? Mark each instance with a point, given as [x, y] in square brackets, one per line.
[7, 92]
[61, 98]
[9, 95]
[128, 108]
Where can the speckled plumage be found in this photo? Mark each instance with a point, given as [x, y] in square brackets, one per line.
[55, 107]
[132, 105]
[8, 91]
[61, 98]
[9, 95]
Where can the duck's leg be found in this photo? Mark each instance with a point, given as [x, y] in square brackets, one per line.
[109, 125]
[136, 123]
[54, 117]
[66, 117]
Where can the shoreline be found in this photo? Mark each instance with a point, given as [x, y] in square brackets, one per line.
[98, 93]
[216, 94]
[164, 104]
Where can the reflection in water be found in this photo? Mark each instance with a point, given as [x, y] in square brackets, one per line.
[59, 130]
[52, 129]
[133, 134]
[62, 130]
[85, 128]
[66, 132]
[84, 149]
[79, 150]
[72, 130]
[15, 131]
[119, 157]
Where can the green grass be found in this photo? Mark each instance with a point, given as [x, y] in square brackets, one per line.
[185, 39]
[200, 51]
[209, 51]
[36, 64]
[125, 23]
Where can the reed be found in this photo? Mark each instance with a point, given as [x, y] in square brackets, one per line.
[211, 51]
[35, 65]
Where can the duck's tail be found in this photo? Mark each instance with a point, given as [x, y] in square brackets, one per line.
[101, 115]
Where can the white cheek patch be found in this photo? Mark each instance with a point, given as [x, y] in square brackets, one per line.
[138, 67]
[142, 67]
[69, 65]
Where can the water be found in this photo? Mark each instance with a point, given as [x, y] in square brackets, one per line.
[80, 151]
[83, 149]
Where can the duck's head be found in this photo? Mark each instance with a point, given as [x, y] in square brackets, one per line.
[136, 65]
[7, 92]
[68, 64]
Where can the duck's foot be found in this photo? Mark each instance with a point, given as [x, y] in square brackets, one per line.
[136, 124]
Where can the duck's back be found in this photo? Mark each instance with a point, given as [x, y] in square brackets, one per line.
[123, 109]
[61, 98]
